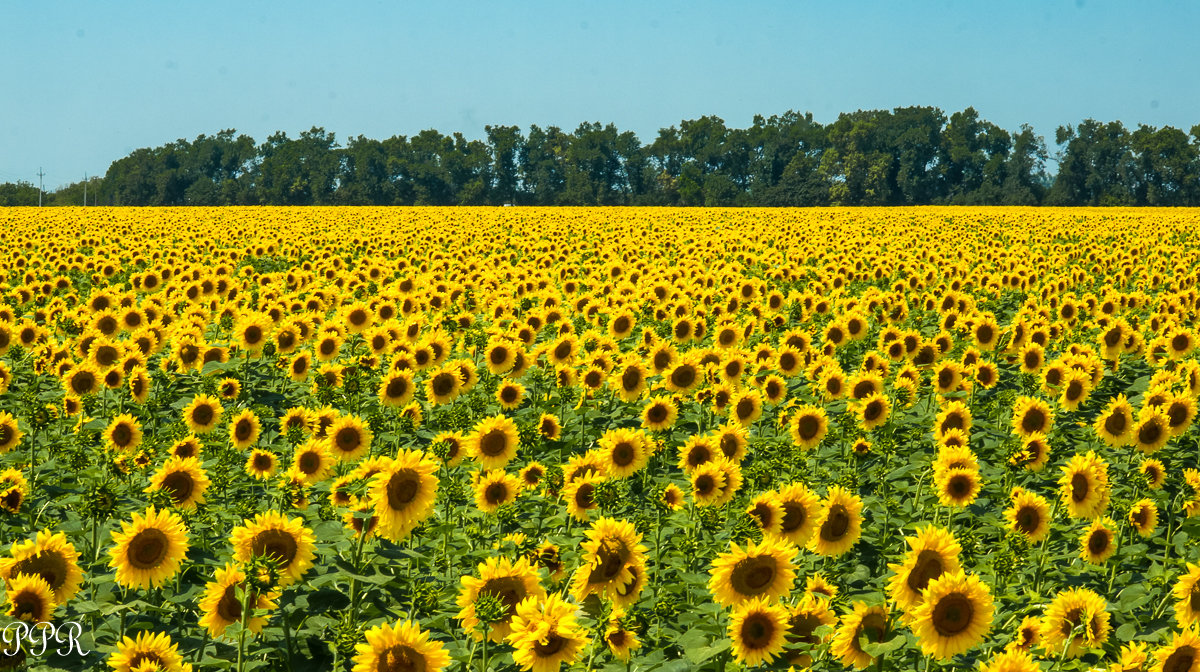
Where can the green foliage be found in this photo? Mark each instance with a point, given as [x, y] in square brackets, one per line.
[905, 156]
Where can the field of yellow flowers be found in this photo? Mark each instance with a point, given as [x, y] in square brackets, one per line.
[381, 439]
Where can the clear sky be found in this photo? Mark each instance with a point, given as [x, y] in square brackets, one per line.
[88, 82]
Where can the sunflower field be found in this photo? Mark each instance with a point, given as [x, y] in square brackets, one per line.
[388, 439]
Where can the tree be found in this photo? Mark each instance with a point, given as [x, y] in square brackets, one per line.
[1166, 167]
[505, 144]
[1096, 167]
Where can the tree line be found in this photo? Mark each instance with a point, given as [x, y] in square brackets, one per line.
[905, 156]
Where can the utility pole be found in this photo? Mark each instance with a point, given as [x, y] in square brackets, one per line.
[40, 175]
[85, 190]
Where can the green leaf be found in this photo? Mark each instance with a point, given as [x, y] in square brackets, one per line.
[698, 656]
[876, 649]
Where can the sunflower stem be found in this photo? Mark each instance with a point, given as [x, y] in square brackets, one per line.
[245, 598]
[203, 646]
[483, 659]
[287, 635]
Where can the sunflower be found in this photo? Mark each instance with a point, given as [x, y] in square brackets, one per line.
[202, 414]
[1098, 542]
[622, 324]
[510, 582]
[810, 613]
[683, 377]
[403, 493]
[510, 395]
[1027, 636]
[442, 385]
[286, 338]
[1032, 358]
[330, 376]
[1084, 486]
[244, 430]
[731, 440]
[953, 415]
[494, 442]
[957, 486]
[1181, 655]
[349, 438]
[1191, 505]
[1181, 413]
[1154, 472]
[1075, 608]
[81, 380]
[545, 634]
[1143, 516]
[184, 481]
[1029, 515]
[1011, 661]
[499, 356]
[549, 426]
[760, 570]
[788, 361]
[832, 383]
[956, 615]
[123, 433]
[1076, 387]
[139, 385]
[625, 452]
[13, 490]
[261, 464]
[149, 651]
[547, 556]
[731, 480]
[1152, 431]
[758, 629]
[299, 367]
[629, 380]
[1187, 597]
[149, 549]
[672, 497]
[396, 389]
[114, 378]
[660, 414]
[873, 411]
[327, 346]
[767, 513]
[224, 598]
[532, 474]
[1031, 415]
[613, 548]
[361, 518]
[29, 598]
[251, 332]
[816, 585]
[800, 509]
[808, 426]
[312, 461]
[863, 622]
[932, 553]
[625, 593]
[49, 556]
[838, 524]
[401, 646]
[496, 489]
[695, 451]
[708, 484]
[621, 639]
[579, 466]
[286, 542]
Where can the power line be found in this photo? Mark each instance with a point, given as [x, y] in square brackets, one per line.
[40, 175]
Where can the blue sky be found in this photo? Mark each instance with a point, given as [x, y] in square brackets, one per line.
[88, 82]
